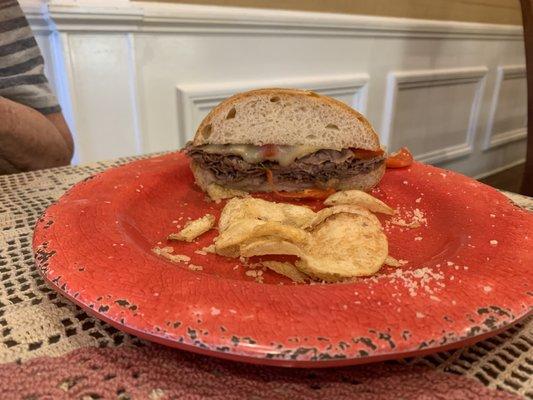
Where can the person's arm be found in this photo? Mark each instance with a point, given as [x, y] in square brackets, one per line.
[30, 140]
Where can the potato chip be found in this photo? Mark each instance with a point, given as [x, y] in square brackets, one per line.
[359, 198]
[286, 269]
[298, 216]
[217, 192]
[194, 228]
[343, 208]
[227, 243]
[269, 245]
[339, 242]
[246, 230]
[345, 245]
[282, 231]
[289, 214]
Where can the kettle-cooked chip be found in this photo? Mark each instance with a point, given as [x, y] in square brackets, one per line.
[345, 245]
[358, 198]
[229, 240]
[339, 242]
[246, 230]
[253, 208]
[194, 228]
[282, 231]
[269, 245]
[343, 208]
[286, 269]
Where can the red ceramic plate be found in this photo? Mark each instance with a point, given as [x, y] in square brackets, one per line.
[468, 273]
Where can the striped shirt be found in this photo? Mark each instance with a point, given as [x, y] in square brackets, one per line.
[21, 64]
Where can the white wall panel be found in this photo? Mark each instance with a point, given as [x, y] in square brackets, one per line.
[508, 115]
[138, 76]
[102, 91]
[433, 112]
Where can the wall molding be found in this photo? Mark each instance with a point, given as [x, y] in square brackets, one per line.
[37, 15]
[85, 15]
[203, 97]
[493, 139]
[398, 80]
[500, 169]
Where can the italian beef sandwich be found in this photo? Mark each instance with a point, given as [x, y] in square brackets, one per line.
[285, 140]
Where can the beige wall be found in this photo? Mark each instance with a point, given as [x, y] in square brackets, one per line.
[489, 11]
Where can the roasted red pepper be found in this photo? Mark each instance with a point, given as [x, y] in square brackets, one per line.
[402, 158]
[365, 154]
[269, 150]
[320, 194]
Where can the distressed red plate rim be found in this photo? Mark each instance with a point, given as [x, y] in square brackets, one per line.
[467, 277]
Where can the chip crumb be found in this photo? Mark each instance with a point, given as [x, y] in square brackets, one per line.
[166, 252]
[393, 262]
[418, 238]
[493, 242]
[418, 200]
[420, 315]
[492, 215]
[487, 289]
[201, 252]
[256, 274]
[410, 219]
[193, 267]
[209, 249]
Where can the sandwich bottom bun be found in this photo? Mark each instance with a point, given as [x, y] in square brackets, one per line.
[363, 182]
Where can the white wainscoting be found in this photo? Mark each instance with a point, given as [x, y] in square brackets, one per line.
[433, 112]
[136, 77]
[508, 113]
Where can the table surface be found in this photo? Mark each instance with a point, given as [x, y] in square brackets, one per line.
[35, 321]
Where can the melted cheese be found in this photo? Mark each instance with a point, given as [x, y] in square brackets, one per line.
[284, 155]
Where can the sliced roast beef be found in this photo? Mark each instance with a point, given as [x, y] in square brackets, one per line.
[315, 169]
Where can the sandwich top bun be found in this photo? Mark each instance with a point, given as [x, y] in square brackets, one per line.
[286, 117]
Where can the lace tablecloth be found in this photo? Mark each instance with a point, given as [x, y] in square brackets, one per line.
[94, 360]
